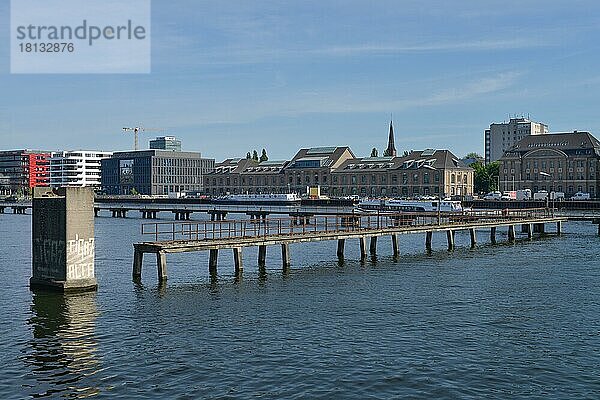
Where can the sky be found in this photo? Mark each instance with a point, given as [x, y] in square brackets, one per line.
[228, 77]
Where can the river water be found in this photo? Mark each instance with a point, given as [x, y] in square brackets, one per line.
[500, 321]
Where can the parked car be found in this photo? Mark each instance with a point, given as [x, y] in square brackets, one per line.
[493, 196]
[581, 196]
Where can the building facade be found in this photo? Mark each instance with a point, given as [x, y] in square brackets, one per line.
[154, 172]
[169, 143]
[561, 162]
[339, 173]
[502, 136]
[22, 170]
[79, 168]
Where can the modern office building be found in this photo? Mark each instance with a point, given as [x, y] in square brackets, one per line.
[78, 168]
[169, 143]
[21, 170]
[154, 172]
[561, 162]
[502, 136]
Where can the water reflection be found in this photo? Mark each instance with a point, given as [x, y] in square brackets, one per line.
[62, 355]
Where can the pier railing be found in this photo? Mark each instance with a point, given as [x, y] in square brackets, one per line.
[323, 224]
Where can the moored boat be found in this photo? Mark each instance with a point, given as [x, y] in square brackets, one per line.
[287, 199]
[412, 206]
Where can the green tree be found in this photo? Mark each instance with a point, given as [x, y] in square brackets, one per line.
[134, 192]
[255, 155]
[263, 155]
[374, 152]
[474, 155]
[486, 177]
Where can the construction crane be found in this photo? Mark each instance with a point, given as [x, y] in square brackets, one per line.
[137, 130]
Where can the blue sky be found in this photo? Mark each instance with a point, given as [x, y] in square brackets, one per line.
[231, 76]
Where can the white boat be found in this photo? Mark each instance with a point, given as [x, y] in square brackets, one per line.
[394, 205]
[287, 199]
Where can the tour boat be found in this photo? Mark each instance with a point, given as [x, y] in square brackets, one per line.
[394, 205]
[287, 199]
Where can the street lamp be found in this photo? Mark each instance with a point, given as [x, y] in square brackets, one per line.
[551, 192]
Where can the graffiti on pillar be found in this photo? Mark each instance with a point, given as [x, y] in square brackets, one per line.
[48, 258]
[80, 258]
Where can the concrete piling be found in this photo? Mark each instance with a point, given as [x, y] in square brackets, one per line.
[373, 245]
[340, 248]
[450, 237]
[262, 254]
[511, 233]
[138, 258]
[428, 239]
[473, 235]
[395, 248]
[285, 256]
[161, 262]
[363, 247]
[493, 235]
[212, 261]
[63, 240]
[237, 260]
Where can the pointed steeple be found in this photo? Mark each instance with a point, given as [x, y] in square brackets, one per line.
[391, 147]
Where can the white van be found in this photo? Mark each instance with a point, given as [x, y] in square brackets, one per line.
[581, 196]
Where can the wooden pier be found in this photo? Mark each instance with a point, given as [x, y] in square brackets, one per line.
[213, 236]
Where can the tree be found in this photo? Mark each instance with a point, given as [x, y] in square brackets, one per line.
[134, 192]
[263, 156]
[255, 155]
[474, 155]
[248, 156]
[374, 152]
[486, 176]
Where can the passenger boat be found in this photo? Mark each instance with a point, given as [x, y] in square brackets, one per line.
[288, 199]
[412, 206]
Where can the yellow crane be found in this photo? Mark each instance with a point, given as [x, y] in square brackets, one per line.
[136, 130]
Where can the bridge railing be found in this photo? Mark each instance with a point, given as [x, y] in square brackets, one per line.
[322, 224]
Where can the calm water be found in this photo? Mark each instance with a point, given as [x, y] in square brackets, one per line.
[504, 321]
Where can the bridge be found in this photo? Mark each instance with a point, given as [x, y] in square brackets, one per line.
[213, 236]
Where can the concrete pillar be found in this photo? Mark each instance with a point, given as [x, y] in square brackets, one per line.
[539, 228]
[511, 233]
[138, 257]
[428, 237]
[373, 245]
[558, 227]
[340, 248]
[285, 256]
[237, 260]
[363, 247]
[161, 264]
[262, 254]
[473, 237]
[63, 240]
[176, 216]
[529, 231]
[493, 235]
[212, 216]
[450, 236]
[212, 261]
[395, 248]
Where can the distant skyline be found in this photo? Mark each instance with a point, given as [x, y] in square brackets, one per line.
[232, 76]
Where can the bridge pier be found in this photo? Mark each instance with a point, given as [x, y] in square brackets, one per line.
[473, 235]
[237, 260]
[493, 235]
[138, 257]
[340, 248]
[373, 245]
[262, 254]
[212, 261]
[363, 246]
[511, 233]
[161, 263]
[450, 237]
[558, 228]
[285, 256]
[428, 237]
[395, 248]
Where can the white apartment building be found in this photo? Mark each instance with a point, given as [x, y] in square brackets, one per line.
[77, 168]
[502, 136]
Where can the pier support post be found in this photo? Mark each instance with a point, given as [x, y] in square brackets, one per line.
[539, 228]
[262, 254]
[450, 236]
[237, 259]
[340, 248]
[511, 233]
[428, 237]
[373, 245]
[212, 261]
[161, 263]
[363, 246]
[285, 256]
[395, 248]
[473, 237]
[493, 235]
[529, 231]
[558, 227]
[138, 257]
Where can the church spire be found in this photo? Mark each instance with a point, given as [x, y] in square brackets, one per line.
[391, 147]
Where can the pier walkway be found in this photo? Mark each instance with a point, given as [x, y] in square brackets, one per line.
[213, 236]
